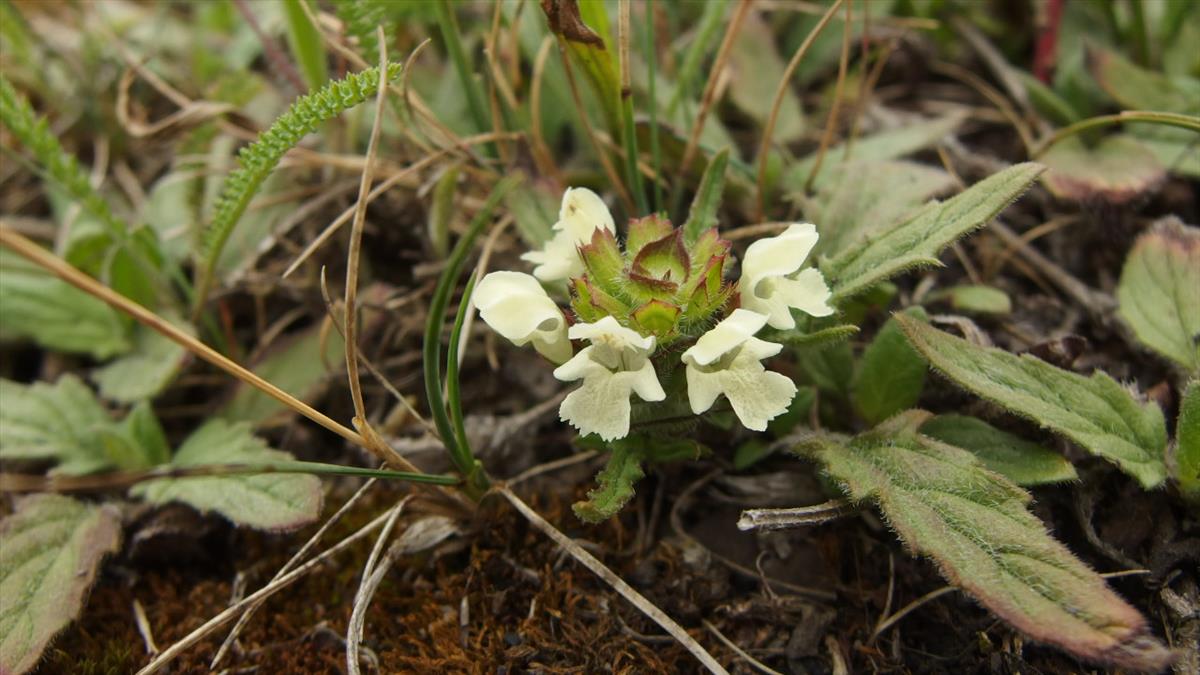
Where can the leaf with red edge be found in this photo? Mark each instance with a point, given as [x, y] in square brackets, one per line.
[975, 525]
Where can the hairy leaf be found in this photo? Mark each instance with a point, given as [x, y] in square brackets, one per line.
[53, 546]
[57, 421]
[757, 68]
[55, 314]
[270, 501]
[1015, 458]
[1095, 412]
[1136, 88]
[1159, 291]
[616, 481]
[918, 240]
[891, 374]
[1116, 170]
[974, 524]
[298, 368]
[1187, 443]
[146, 370]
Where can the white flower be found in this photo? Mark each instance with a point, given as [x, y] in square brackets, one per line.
[725, 360]
[770, 284]
[616, 365]
[581, 214]
[516, 306]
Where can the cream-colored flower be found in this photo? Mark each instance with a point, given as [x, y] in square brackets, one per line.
[772, 281]
[616, 365]
[581, 214]
[516, 306]
[726, 360]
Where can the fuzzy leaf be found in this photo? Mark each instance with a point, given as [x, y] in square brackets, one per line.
[616, 481]
[891, 374]
[868, 196]
[1159, 291]
[55, 314]
[1136, 88]
[146, 370]
[1116, 170]
[269, 501]
[973, 523]
[1015, 458]
[56, 421]
[918, 240]
[1187, 443]
[297, 368]
[703, 214]
[757, 68]
[53, 546]
[1095, 412]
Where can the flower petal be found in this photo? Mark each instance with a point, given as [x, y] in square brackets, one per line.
[611, 333]
[644, 382]
[724, 337]
[756, 394]
[600, 406]
[516, 306]
[777, 256]
[582, 212]
[559, 259]
[703, 388]
[807, 292]
[580, 366]
[771, 304]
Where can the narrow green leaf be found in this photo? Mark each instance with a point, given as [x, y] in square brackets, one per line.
[865, 197]
[891, 374]
[53, 547]
[1187, 443]
[147, 369]
[441, 208]
[53, 421]
[1117, 170]
[306, 44]
[273, 501]
[974, 524]
[918, 240]
[583, 26]
[55, 314]
[703, 213]
[616, 481]
[1136, 88]
[758, 67]
[1159, 292]
[1095, 412]
[975, 299]
[1015, 458]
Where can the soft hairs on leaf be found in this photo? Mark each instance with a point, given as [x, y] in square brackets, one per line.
[53, 547]
[974, 524]
[257, 160]
[1095, 412]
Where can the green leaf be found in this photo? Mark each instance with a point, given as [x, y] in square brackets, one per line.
[831, 368]
[918, 240]
[53, 546]
[867, 196]
[1116, 170]
[975, 299]
[142, 427]
[146, 370]
[974, 523]
[269, 501]
[1096, 412]
[1187, 443]
[616, 481]
[55, 314]
[299, 368]
[758, 67]
[891, 374]
[1136, 88]
[890, 144]
[1015, 458]
[306, 44]
[441, 210]
[1159, 292]
[703, 213]
[58, 421]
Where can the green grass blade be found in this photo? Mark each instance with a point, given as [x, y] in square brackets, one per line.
[458, 56]
[453, 386]
[305, 43]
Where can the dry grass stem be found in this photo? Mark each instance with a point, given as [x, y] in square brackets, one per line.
[371, 578]
[890, 621]
[710, 86]
[781, 519]
[754, 663]
[831, 123]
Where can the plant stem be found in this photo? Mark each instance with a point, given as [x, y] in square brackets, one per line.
[1151, 116]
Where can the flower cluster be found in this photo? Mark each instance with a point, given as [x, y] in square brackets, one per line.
[638, 308]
